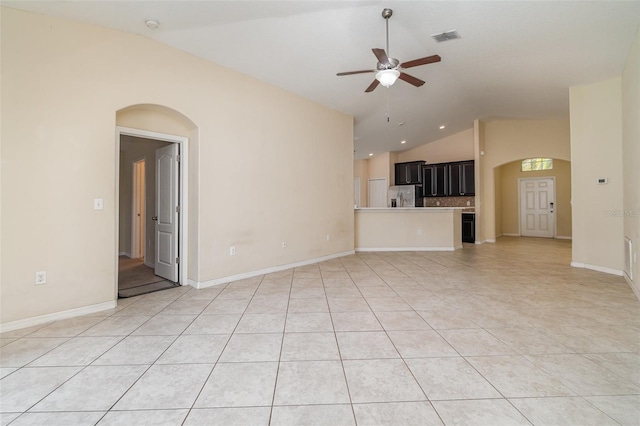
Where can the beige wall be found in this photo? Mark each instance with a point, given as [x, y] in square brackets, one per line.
[507, 202]
[258, 158]
[631, 152]
[596, 151]
[499, 203]
[457, 147]
[504, 141]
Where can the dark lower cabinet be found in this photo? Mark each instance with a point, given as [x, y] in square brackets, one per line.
[468, 228]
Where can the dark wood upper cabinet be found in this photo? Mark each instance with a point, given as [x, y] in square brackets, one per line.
[461, 179]
[409, 173]
[449, 179]
[435, 180]
[469, 178]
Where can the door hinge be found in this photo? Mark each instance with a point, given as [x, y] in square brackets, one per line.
[178, 158]
[177, 209]
[177, 260]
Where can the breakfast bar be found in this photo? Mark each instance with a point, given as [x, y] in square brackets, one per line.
[408, 229]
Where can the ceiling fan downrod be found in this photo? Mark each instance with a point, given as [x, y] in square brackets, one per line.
[386, 14]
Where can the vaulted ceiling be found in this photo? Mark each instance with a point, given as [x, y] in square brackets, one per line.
[515, 59]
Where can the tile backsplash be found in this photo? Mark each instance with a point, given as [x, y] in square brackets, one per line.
[449, 201]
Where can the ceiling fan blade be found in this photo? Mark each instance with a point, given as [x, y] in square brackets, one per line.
[421, 61]
[372, 86]
[381, 55]
[354, 72]
[411, 79]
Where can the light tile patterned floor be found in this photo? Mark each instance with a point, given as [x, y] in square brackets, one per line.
[503, 333]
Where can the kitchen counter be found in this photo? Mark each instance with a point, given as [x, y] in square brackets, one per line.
[408, 228]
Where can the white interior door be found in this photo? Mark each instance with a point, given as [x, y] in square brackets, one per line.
[167, 212]
[537, 208]
[356, 192]
[378, 192]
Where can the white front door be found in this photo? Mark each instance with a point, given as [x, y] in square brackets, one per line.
[167, 212]
[537, 207]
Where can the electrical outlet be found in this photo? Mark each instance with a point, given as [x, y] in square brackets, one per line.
[284, 244]
[41, 277]
[232, 251]
[468, 203]
[328, 237]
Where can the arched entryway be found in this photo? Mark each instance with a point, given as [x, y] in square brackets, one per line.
[161, 138]
[509, 178]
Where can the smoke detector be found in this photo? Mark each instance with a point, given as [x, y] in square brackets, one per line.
[152, 24]
[446, 36]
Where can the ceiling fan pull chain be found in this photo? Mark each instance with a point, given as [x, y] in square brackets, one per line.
[388, 115]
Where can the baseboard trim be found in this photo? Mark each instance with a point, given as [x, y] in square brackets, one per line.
[150, 265]
[635, 289]
[604, 269]
[56, 316]
[359, 249]
[563, 237]
[224, 280]
[489, 240]
[125, 253]
[509, 235]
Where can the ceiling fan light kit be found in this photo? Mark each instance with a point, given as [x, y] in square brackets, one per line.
[389, 69]
[387, 77]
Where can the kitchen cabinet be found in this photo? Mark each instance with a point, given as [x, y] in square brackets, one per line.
[461, 177]
[435, 180]
[409, 173]
[468, 227]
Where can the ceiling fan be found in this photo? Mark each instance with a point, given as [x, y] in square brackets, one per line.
[388, 69]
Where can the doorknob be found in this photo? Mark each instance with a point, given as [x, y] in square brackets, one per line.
[154, 218]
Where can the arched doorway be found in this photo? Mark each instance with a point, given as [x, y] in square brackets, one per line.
[161, 137]
[508, 211]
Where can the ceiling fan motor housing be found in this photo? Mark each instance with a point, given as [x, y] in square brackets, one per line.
[392, 64]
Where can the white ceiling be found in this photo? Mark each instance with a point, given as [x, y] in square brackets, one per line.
[516, 59]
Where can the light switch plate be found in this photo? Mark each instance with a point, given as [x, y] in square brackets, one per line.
[98, 204]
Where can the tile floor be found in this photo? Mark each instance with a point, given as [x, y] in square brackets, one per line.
[503, 333]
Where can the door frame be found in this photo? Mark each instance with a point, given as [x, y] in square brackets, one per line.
[555, 203]
[183, 227]
[136, 195]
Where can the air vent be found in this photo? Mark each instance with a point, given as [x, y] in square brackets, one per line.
[446, 36]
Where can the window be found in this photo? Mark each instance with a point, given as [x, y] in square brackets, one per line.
[533, 164]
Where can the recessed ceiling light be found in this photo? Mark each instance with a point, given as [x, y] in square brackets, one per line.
[442, 127]
[371, 154]
[152, 24]
[403, 141]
